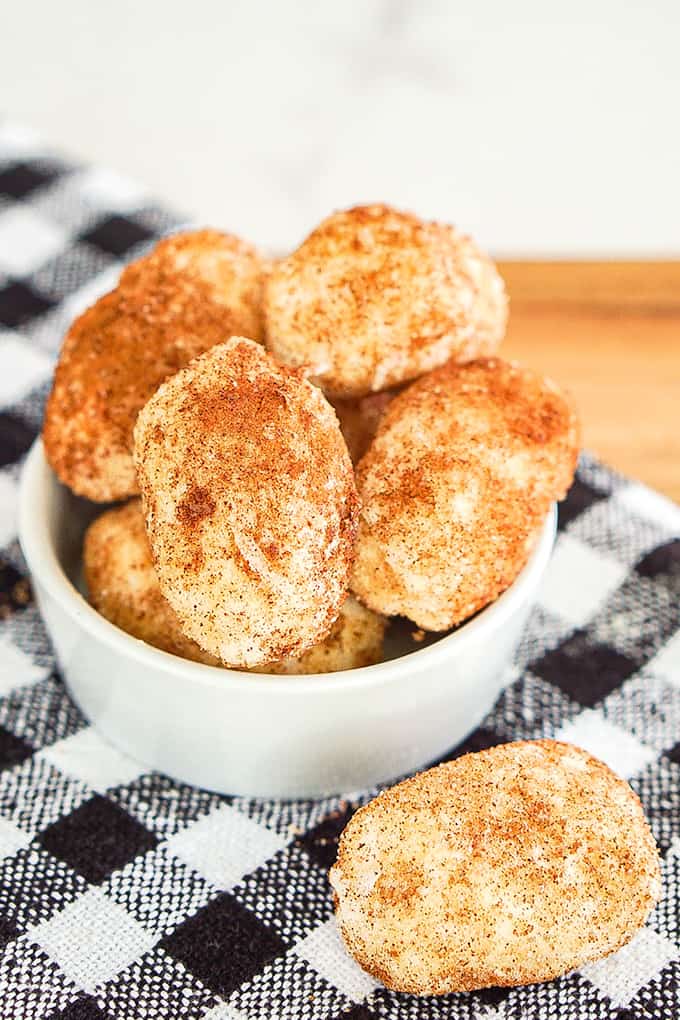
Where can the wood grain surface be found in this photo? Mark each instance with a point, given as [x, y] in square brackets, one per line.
[610, 332]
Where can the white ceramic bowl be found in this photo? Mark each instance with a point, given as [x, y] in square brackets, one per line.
[258, 735]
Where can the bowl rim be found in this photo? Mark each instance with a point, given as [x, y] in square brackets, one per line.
[44, 565]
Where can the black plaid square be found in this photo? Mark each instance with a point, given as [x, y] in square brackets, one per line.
[321, 842]
[8, 932]
[580, 497]
[224, 944]
[19, 304]
[19, 180]
[13, 750]
[97, 838]
[663, 565]
[84, 1008]
[583, 669]
[118, 235]
[16, 438]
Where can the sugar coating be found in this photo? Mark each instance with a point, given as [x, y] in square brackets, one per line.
[250, 504]
[190, 292]
[123, 586]
[512, 865]
[355, 639]
[375, 297]
[455, 487]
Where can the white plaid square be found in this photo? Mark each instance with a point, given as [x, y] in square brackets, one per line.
[22, 368]
[621, 975]
[578, 580]
[12, 838]
[324, 950]
[649, 505]
[223, 1011]
[92, 939]
[623, 752]
[27, 240]
[225, 845]
[666, 663]
[16, 668]
[91, 759]
[107, 191]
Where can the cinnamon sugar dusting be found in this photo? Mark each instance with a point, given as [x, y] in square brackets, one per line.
[190, 292]
[455, 486]
[251, 470]
[509, 866]
[375, 297]
[122, 584]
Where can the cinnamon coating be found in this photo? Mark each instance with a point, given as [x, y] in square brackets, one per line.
[375, 297]
[512, 865]
[122, 584]
[189, 293]
[250, 504]
[456, 485]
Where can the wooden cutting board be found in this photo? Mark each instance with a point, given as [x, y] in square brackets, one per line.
[610, 332]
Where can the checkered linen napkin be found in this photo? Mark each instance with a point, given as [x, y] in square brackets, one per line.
[127, 896]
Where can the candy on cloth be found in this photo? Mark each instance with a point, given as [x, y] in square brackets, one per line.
[212, 904]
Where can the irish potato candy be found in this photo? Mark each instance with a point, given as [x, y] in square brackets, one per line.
[512, 865]
[459, 477]
[250, 504]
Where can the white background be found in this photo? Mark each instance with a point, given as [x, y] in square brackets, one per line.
[543, 128]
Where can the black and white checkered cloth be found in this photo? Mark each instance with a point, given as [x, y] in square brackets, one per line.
[124, 895]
